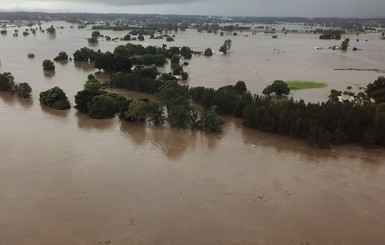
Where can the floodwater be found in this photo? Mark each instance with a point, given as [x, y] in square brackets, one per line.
[69, 179]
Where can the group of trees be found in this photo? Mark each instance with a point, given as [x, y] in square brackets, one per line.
[63, 56]
[98, 104]
[181, 114]
[228, 100]
[7, 83]
[278, 88]
[85, 54]
[138, 80]
[331, 34]
[55, 98]
[322, 124]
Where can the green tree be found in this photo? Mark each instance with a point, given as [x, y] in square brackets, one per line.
[240, 86]
[93, 40]
[6, 81]
[155, 112]
[95, 34]
[23, 90]
[184, 75]
[140, 37]
[137, 111]
[175, 60]
[48, 65]
[345, 44]
[278, 87]
[376, 90]
[186, 52]
[177, 70]
[148, 59]
[150, 71]
[334, 94]
[379, 123]
[208, 52]
[84, 97]
[55, 98]
[102, 106]
[62, 56]
[93, 84]
[85, 54]
[175, 97]
[159, 60]
[223, 49]
[51, 30]
[226, 46]
[211, 121]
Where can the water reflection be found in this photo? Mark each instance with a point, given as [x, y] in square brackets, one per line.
[136, 131]
[8, 98]
[84, 66]
[62, 62]
[301, 149]
[54, 112]
[49, 74]
[11, 99]
[85, 122]
[173, 143]
[51, 36]
[25, 102]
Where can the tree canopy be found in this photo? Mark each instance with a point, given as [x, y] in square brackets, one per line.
[55, 98]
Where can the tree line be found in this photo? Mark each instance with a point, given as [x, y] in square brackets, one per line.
[359, 120]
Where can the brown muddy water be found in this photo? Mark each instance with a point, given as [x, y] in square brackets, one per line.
[68, 179]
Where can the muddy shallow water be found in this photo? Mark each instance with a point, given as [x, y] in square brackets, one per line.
[68, 179]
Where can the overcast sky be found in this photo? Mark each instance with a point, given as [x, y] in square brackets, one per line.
[305, 8]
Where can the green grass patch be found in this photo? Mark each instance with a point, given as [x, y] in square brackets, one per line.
[298, 85]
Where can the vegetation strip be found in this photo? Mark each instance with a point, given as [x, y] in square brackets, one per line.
[299, 85]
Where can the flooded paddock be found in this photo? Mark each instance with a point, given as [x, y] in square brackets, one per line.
[69, 179]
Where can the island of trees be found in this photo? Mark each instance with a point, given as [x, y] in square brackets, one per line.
[359, 120]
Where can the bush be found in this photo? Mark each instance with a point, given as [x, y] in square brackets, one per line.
[23, 90]
[278, 87]
[211, 121]
[208, 52]
[184, 75]
[55, 98]
[6, 81]
[48, 65]
[102, 106]
[61, 56]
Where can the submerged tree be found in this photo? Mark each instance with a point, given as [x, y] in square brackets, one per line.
[6, 81]
[278, 87]
[208, 52]
[211, 121]
[48, 65]
[376, 90]
[226, 46]
[62, 56]
[23, 90]
[345, 44]
[55, 98]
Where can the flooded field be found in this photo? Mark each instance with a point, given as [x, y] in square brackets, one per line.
[69, 179]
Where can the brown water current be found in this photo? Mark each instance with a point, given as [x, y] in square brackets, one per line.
[68, 179]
